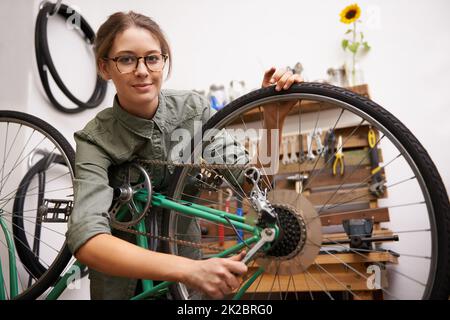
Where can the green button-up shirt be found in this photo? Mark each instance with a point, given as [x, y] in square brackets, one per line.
[112, 138]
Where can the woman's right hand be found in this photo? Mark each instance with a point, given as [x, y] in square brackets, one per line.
[216, 277]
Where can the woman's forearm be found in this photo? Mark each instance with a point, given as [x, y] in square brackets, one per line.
[111, 255]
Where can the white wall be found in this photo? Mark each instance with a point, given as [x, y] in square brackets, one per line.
[408, 69]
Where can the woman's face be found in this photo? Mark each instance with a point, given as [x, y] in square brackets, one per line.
[142, 86]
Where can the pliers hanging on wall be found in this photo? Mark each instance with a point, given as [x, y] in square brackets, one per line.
[339, 158]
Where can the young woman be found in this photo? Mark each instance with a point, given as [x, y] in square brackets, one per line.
[132, 51]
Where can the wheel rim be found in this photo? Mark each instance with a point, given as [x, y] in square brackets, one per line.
[45, 251]
[386, 135]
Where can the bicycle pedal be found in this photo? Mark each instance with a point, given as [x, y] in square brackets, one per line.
[54, 210]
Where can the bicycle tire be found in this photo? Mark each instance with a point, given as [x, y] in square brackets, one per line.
[45, 62]
[437, 285]
[23, 121]
[25, 252]
[23, 248]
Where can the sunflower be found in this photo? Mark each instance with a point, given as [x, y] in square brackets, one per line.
[350, 14]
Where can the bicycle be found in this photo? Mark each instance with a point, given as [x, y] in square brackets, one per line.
[291, 252]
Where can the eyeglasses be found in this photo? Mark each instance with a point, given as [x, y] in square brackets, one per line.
[129, 63]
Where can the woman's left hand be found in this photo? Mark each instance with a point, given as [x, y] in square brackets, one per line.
[282, 79]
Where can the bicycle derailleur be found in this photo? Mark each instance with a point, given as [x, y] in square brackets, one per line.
[258, 198]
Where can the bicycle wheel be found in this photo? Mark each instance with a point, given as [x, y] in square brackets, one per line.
[36, 195]
[377, 229]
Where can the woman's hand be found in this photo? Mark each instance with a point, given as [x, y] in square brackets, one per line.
[283, 79]
[217, 277]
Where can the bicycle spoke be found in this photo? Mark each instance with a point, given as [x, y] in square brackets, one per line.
[354, 270]
[279, 286]
[201, 219]
[318, 283]
[334, 154]
[236, 193]
[16, 164]
[7, 155]
[257, 286]
[6, 201]
[399, 253]
[379, 264]
[308, 182]
[324, 283]
[18, 258]
[266, 180]
[33, 237]
[273, 282]
[51, 166]
[408, 277]
[353, 171]
[287, 288]
[5, 290]
[221, 204]
[4, 157]
[14, 191]
[370, 209]
[21, 185]
[216, 189]
[337, 280]
[311, 295]
[367, 259]
[295, 289]
[32, 222]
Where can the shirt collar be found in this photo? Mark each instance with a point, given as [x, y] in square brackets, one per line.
[140, 126]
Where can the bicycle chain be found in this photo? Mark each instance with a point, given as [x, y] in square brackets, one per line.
[201, 165]
[178, 241]
[169, 239]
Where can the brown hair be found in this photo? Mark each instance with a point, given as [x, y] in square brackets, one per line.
[119, 22]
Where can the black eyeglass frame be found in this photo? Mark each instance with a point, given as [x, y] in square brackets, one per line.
[165, 57]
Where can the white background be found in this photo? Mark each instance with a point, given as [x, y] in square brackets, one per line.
[408, 68]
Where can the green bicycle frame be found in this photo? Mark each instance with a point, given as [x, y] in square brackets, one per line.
[13, 280]
[189, 209]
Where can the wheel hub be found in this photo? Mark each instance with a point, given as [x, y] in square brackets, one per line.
[301, 234]
[292, 233]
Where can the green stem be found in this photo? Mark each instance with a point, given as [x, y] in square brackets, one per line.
[354, 54]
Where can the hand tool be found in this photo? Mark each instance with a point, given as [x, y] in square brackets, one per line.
[330, 145]
[310, 156]
[377, 186]
[339, 158]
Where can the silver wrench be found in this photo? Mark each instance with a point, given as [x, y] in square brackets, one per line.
[310, 156]
[293, 141]
[318, 136]
[267, 235]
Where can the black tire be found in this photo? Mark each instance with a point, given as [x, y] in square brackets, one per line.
[44, 278]
[440, 280]
[23, 248]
